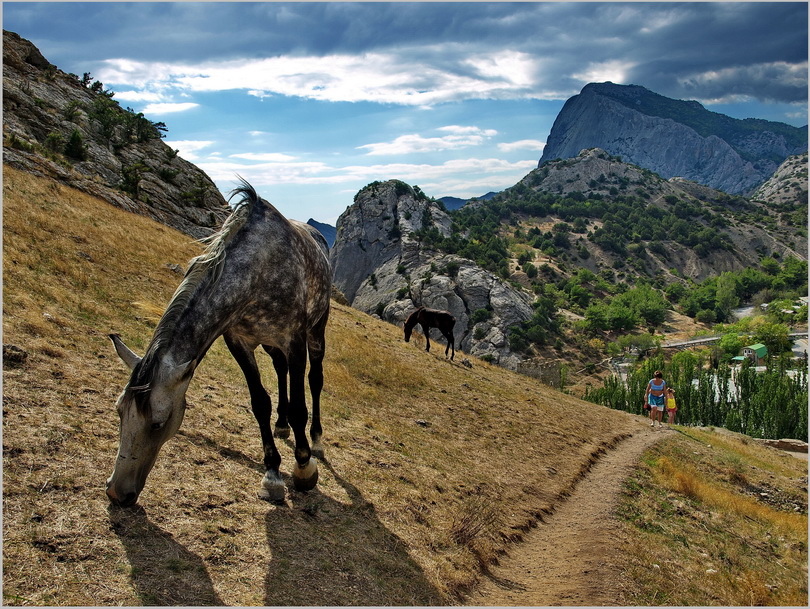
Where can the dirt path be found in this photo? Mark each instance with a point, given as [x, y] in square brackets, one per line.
[571, 558]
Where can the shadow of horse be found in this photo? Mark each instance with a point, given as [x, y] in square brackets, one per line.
[163, 571]
[345, 563]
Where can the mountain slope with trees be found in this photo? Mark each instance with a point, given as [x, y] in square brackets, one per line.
[72, 129]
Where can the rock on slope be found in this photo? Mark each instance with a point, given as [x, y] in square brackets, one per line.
[382, 268]
[672, 138]
[124, 160]
[788, 185]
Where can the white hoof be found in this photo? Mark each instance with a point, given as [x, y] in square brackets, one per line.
[305, 478]
[273, 488]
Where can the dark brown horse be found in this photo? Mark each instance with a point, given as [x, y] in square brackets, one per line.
[431, 318]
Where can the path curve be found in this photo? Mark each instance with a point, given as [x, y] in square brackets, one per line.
[571, 558]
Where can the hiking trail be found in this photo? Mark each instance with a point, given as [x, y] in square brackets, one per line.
[572, 557]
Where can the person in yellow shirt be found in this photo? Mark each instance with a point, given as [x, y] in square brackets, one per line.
[672, 406]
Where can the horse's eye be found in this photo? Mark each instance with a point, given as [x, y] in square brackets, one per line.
[156, 426]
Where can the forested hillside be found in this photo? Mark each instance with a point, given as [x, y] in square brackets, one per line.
[616, 247]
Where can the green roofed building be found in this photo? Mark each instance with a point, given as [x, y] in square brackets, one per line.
[756, 353]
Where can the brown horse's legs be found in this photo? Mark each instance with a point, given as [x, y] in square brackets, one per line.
[426, 329]
[282, 429]
[260, 402]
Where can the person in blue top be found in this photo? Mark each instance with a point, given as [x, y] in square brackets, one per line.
[654, 396]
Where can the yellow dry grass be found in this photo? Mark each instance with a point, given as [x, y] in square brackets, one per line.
[432, 468]
[685, 480]
[716, 519]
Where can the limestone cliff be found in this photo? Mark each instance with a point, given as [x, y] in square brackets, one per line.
[672, 138]
[381, 267]
[788, 185]
[56, 125]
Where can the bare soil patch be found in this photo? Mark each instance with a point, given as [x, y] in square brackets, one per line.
[571, 557]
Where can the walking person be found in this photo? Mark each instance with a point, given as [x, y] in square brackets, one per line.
[654, 396]
[672, 406]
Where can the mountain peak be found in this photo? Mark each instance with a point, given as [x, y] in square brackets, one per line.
[671, 137]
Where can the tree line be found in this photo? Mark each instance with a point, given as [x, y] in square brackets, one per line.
[769, 404]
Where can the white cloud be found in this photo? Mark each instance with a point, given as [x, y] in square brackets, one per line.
[188, 148]
[460, 137]
[614, 71]
[316, 172]
[139, 96]
[168, 107]
[535, 145]
[259, 94]
[441, 73]
[268, 157]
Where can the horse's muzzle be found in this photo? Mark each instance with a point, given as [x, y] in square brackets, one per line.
[122, 499]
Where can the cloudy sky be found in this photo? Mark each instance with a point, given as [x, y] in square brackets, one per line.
[312, 101]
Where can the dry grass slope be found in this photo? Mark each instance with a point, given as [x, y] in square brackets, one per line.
[716, 519]
[432, 469]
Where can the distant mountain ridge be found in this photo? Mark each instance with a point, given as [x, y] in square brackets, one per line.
[673, 138]
[452, 203]
[327, 230]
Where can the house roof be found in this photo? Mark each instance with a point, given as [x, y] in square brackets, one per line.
[760, 349]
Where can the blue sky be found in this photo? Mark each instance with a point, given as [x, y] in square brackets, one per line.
[312, 101]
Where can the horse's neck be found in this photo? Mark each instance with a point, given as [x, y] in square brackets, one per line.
[199, 324]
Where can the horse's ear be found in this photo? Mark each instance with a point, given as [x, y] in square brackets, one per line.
[124, 352]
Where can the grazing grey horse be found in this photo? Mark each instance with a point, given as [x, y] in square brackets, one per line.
[262, 280]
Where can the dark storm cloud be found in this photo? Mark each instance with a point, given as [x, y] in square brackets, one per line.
[705, 51]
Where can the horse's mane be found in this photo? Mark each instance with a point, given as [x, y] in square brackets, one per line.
[208, 264]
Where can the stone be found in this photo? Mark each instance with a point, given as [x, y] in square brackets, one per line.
[382, 268]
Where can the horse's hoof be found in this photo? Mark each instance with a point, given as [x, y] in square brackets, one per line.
[273, 488]
[318, 451]
[305, 478]
[281, 432]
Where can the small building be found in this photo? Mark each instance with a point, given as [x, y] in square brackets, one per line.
[756, 353]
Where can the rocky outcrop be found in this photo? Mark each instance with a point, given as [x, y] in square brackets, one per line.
[382, 268]
[594, 173]
[672, 138]
[788, 185]
[57, 126]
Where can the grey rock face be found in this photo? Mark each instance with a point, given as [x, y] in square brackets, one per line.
[43, 107]
[382, 269]
[604, 116]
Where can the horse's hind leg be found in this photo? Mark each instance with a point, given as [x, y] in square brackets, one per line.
[316, 345]
[272, 484]
[282, 429]
[305, 473]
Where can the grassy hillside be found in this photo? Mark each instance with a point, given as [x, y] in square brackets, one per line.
[714, 518]
[432, 467]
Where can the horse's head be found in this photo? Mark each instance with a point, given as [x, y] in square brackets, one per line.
[150, 413]
[410, 322]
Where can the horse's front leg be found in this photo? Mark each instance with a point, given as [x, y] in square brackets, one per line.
[282, 429]
[273, 487]
[305, 473]
[451, 343]
[427, 337]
